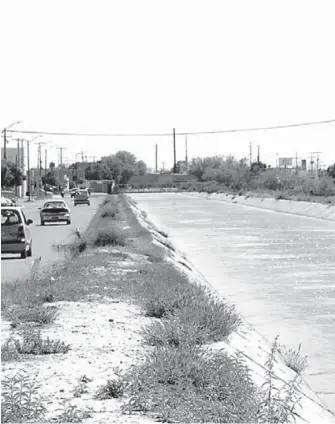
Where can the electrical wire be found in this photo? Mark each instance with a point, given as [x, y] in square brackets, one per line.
[303, 124]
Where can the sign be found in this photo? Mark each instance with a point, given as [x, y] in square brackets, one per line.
[285, 162]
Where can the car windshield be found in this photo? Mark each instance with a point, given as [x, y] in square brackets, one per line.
[10, 217]
[54, 205]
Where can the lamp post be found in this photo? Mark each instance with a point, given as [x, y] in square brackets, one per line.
[5, 139]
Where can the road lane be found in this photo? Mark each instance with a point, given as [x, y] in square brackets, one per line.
[13, 268]
[278, 269]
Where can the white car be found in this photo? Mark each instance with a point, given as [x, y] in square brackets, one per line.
[15, 231]
[55, 211]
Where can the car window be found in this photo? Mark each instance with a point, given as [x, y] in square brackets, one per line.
[10, 217]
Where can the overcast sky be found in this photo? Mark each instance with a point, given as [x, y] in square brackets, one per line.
[151, 66]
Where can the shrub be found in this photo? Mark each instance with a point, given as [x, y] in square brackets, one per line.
[113, 389]
[9, 352]
[32, 343]
[38, 314]
[20, 400]
[109, 237]
[191, 385]
[110, 211]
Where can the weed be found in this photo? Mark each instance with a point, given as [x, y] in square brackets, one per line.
[20, 400]
[277, 405]
[109, 237]
[80, 389]
[9, 352]
[38, 314]
[112, 389]
[293, 359]
[192, 385]
[72, 414]
[32, 343]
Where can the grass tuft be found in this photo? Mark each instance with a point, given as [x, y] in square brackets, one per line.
[293, 359]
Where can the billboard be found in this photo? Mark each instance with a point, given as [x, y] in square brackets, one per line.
[285, 162]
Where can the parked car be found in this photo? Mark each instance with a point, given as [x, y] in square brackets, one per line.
[81, 198]
[55, 211]
[15, 231]
[9, 195]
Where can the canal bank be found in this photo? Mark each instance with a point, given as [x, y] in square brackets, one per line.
[277, 268]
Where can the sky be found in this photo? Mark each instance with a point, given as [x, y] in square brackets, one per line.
[151, 66]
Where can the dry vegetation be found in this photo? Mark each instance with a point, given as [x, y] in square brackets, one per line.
[176, 379]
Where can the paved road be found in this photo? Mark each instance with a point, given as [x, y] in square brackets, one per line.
[278, 269]
[13, 268]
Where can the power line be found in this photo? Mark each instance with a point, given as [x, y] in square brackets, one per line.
[275, 127]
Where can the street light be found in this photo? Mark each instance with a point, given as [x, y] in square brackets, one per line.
[5, 139]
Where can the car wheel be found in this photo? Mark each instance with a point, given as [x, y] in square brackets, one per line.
[30, 252]
[88, 204]
[69, 222]
[42, 223]
[23, 254]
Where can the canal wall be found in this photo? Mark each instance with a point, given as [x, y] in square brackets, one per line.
[309, 209]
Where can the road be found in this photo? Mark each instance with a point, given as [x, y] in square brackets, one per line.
[278, 269]
[14, 268]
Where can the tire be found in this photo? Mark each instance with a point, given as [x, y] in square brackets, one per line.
[88, 204]
[68, 222]
[24, 254]
[42, 223]
[30, 252]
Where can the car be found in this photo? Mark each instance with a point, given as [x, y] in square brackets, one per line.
[81, 198]
[15, 232]
[73, 191]
[55, 211]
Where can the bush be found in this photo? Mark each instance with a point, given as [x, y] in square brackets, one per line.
[32, 343]
[191, 385]
[38, 314]
[109, 237]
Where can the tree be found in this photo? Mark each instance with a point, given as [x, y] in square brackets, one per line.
[257, 167]
[119, 167]
[49, 179]
[11, 175]
[331, 171]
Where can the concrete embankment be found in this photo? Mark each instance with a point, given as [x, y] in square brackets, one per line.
[247, 341]
[313, 210]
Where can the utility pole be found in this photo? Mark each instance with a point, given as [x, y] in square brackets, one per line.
[28, 172]
[250, 153]
[186, 155]
[317, 163]
[258, 155]
[5, 144]
[156, 158]
[174, 152]
[296, 162]
[45, 163]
